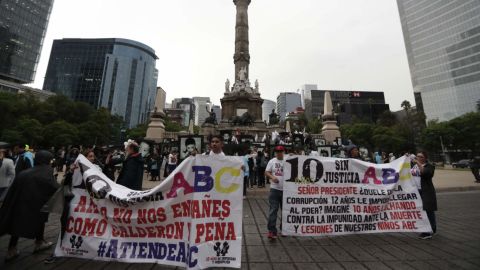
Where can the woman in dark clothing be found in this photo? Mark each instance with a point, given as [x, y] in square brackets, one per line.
[261, 166]
[21, 214]
[427, 191]
[353, 152]
[131, 175]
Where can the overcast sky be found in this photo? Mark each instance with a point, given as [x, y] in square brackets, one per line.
[336, 44]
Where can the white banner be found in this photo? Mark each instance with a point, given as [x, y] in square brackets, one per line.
[191, 219]
[328, 196]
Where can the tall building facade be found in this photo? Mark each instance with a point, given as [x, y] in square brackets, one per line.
[160, 99]
[288, 102]
[23, 24]
[118, 74]
[218, 111]
[188, 109]
[348, 105]
[307, 97]
[267, 107]
[201, 104]
[442, 40]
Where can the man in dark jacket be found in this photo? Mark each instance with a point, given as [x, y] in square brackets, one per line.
[131, 175]
[21, 214]
[427, 191]
[475, 166]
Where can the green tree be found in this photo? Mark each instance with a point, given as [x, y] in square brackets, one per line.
[31, 130]
[137, 132]
[172, 126]
[314, 126]
[360, 134]
[387, 119]
[60, 133]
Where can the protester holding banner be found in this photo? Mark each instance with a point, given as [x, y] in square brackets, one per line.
[274, 172]
[216, 146]
[131, 175]
[427, 191]
[353, 152]
[21, 214]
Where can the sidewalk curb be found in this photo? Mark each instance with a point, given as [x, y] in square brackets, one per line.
[458, 189]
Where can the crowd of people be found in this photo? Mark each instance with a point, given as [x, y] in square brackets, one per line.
[28, 181]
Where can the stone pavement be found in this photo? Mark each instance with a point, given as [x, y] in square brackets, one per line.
[456, 246]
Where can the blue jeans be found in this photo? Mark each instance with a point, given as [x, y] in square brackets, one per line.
[275, 199]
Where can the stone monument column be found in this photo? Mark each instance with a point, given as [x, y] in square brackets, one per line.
[330, 130]
[241, 58]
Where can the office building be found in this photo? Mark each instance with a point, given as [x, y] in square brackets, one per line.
[23, 24]
[160, 99]
[267, 107]
[350, 105]
[117, 74]
[16, 88]
[202, 104]
[442, 40]
[288, 102]
[306, 90]
[218, 112]
[175, 115]
[188, 109]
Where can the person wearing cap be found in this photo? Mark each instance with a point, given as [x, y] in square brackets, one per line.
[23, 160]
[274, 172]
[7, 172]
[22, 213]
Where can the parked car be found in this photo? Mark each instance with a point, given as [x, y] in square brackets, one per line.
[464, 163]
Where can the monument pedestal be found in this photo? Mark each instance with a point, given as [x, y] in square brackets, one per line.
[208, 129]
[156, 128]
[330, 131]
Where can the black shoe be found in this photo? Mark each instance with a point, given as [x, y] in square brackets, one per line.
[425, 236]
[50, 260]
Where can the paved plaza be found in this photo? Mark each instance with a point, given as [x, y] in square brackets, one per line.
[456, 246]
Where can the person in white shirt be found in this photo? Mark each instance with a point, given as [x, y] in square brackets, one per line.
[274, 172]
[7, 172]
[172, 162]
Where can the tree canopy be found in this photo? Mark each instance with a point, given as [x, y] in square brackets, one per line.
[57, 121]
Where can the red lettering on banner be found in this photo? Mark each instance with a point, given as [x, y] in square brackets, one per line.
[215, 231]
[151, 215]
[202, 209]
[411, 225]
[370, 174]
[169, 231]
[81, 206]
[178, 183]
[122, 215]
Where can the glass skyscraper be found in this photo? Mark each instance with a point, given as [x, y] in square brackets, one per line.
[442, 39]
[23, 24]
[117, 74]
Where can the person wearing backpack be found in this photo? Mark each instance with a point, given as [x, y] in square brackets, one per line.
[23, 160]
